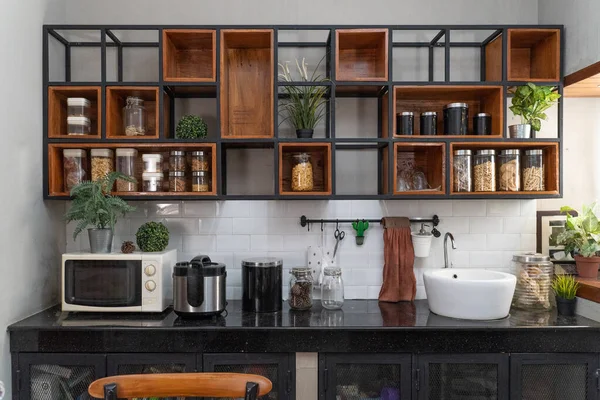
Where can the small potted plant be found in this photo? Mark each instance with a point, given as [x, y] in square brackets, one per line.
[191, 127]
[93, 205]
[565, 287]
[152, 236]
[303, 106]
[360, 227]
[581, 237]
[529, 102]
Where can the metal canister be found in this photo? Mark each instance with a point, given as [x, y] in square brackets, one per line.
[262, 284]
[482, 124]
[429, 123]
[405, 122]
[456, 119]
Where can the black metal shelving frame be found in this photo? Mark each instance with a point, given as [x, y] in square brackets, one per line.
[108, 39]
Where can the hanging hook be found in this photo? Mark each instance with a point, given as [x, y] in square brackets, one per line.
[321, 225]
[337, 225]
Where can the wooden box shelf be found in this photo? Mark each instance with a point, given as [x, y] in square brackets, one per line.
[550, 159]
[116, 97]
[320, 158]
[189, 55]
[534, 55]
[58, 110]
[247, 83]
[419, 99]
[428, 158]
[361, 55]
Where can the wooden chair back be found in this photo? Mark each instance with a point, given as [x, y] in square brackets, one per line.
[217, 385]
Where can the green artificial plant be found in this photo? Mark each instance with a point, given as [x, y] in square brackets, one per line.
[191, 127]
[582, 232]
[93, 205]
[152, 236]
[565, 286]
[360, 227]
[530, 101]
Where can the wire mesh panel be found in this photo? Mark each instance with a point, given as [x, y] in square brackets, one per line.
[367, 381]
[270, 371]
[52, 382]
[554, 382]
[129, 369]
[451, 381]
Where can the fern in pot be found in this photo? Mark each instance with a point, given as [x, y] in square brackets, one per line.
[529, 102]
[303, 107]
[93, 206]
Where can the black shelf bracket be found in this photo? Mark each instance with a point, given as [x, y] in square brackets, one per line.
[306, 222]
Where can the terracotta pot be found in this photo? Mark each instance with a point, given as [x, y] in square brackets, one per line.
[587, 267]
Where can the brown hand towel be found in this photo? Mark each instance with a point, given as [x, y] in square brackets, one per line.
[399, 283]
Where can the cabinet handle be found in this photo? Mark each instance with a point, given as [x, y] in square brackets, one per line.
[598, 379]
[289, 382]
[325, 379]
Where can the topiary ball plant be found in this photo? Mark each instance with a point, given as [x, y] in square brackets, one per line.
[191, 127]
[152, 236]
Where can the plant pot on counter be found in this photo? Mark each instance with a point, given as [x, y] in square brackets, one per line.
[520, 131]
[566, 307]
[305, 133]
[587, 267]
[100, 240]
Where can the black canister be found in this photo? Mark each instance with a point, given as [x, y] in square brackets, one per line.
[405, 122]
[262, 284]
[456, 119]
[429, 123]
[482, 124]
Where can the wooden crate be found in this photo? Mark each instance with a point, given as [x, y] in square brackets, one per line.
[320, 157]
[430, 158]
[361, 55]
[116, 97]
[58, 110]
[189, 55]
[247, 83]
[534, 55]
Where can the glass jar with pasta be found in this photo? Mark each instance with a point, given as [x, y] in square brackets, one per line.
[302, 173]
[484, 171]
[509, 170]
[533, 171]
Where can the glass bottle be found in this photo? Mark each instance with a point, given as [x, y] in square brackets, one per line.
[302, 173]
[509, 170]
[533, 171]
[484, 171]
[134, 117]
[463, 169]
[332, 288]
[301, 285]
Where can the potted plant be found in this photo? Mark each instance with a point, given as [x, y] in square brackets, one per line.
[152, 236]
[565, 287]
[93, 205]
[303, 106]
[191, 127]
[529, 102]
[360, 227]
[581, 237]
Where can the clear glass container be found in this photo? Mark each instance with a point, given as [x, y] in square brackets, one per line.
[533, 171]
[78, 107]
[78, 126]
[200, 181]
[301, 286]
[332, 288]
[176, 181]
[102, 163]
[484, 171]
[126, 159]
[177, 161]
[463, 171]
[74, 167]
[534, 274]
[509, 170]
[302, 173]
[153, 181]
[200, 161]
[152, 162]
[134, 117]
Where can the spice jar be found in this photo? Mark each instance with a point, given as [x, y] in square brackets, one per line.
[152, 162]
[176, 181]
[332, 288]
[484, 171]
[74, 167]
[199, 161]
[533, 171]
[405, 122]
[534, 274]
[463, 169]
[152, 181]
[200, 181]
[456, 119]
[134, 117]
[302, 173]
[78, 107]
[509, 170]
[482, 124]
[102, 163]
[301, 285]
[78, 126]
[177, 161]
[126, 165]
[429, 123]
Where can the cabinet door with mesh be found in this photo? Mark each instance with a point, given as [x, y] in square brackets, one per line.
[364, 376]
[553, 376]
[280, 368]
[465, 377]
[59, 376]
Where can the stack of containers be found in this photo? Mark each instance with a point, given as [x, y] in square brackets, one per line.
[177, 171]
[153, 173]
[78, 120]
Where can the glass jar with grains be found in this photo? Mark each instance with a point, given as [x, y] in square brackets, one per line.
[177, 161]
[102, 163]
[462, 169]
[74, 167]
[484, 171]
[509, 170]
[126, 159]
[301, 286]
[200, 161]
[534, 274]
[176, 181]
[533, 171]
[200, 181]
[302, 173]
[134, 117]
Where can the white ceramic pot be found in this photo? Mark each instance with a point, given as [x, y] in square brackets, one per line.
[422, 244]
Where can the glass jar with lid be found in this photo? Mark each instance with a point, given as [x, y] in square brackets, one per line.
[78, 126]
[126, 159]
[301, 285]
[200, 161]
[78, 107]
[153, 162]
[74, 167]
[302, 173]
[332, 288]
[176, 181]
[509, 170]
[102, 163]
[177, 161]
[153, 181]
[462, 167]
[200, 181]
[534, 274]
[134, 117]
[533, 170]
[484, 171]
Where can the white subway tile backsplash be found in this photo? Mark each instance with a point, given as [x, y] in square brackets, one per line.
[405, 208]
[266, 242]
[503, 242]
[354, 259]
[454, 225]
[182, 226]
[233, 242]
[472, 208]
[355, 292]
[373, 292]
[249, 226]
[486, 225]
[200, 244]
[519, 225]
[503, 208]
[200, 208]
[215, 226]
[486, 259]
[284, 226]
[300, 242]
[469, 242]
[233, 208]
[441, 208]
[528, 208]
[528, 242]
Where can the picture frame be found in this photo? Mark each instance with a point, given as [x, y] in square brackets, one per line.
[549, 225]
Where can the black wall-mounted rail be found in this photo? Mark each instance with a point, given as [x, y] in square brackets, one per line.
[306, 222]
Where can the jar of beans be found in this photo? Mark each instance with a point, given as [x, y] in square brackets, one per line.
[301, 285]
[302, 173]
[176, 181]
[533, 170]
[102, 163]
[484, 171]
[200, 161]
[509, 170]
[177, 161]
[200, 181]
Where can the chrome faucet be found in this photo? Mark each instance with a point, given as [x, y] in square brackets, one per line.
[448, 235]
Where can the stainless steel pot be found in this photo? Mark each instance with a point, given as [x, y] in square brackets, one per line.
[520, 131]
[100, 240]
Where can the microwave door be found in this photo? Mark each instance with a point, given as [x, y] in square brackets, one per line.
[103, 283]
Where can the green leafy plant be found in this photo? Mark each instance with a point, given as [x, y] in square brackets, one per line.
[582, 233]
[530, 102]
[152, 236]
[191, 127]
[93, 205]
[303, 106]
[360, 227]
[565, 286]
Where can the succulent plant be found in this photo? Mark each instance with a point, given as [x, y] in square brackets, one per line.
[152, 236]
[191, 127]
[360, 227]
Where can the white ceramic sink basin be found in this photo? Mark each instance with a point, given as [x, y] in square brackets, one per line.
[474, 294]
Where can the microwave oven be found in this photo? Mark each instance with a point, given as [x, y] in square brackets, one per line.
[117, 282]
